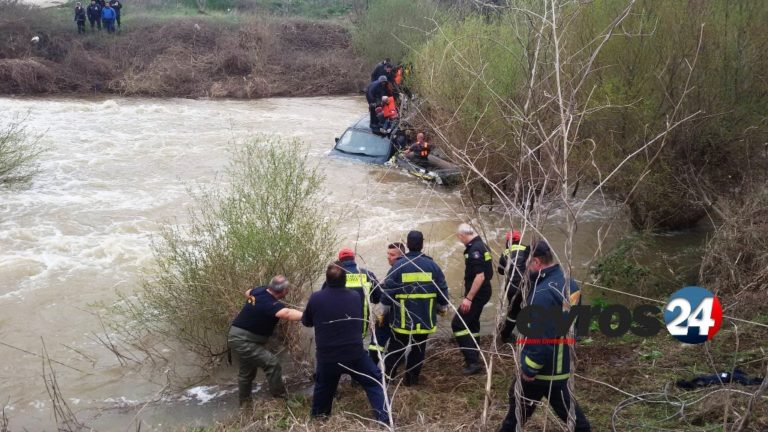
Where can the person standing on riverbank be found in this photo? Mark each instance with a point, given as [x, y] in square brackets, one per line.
[251, 330]
[108, 18]
[415, 289]
[478, 271]
[80, 18]
[546, 367]
[94, 15]
[335, 312]
[512, 264]
[382, 332]
[118, 7]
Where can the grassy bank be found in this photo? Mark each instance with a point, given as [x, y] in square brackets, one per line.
[177, 52]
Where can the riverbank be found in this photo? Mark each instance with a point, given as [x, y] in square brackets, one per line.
[170, 53]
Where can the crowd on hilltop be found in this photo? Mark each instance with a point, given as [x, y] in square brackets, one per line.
[99, 13]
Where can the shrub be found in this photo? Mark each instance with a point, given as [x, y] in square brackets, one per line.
[267, 220]
[18, 155]
[391, 28]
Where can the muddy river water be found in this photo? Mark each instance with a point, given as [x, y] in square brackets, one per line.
[114, 171]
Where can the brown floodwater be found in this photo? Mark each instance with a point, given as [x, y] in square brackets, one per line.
[115, 170]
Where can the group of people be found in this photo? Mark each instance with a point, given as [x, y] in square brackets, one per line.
[381, 95]
[99, 13]
[411, 297]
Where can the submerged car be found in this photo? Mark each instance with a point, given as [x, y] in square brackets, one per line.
[360, 143]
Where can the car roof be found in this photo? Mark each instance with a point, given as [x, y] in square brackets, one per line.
[364, 124]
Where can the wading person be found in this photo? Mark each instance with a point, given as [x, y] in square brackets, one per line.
[478, 271]
[336, 314]
[420, 150]
[416, 291]
[374, 92]
[382, 332]
[94, 15]
[512, 264]
[80, 18]
[250, 331]
[108, 18]
[545, 367]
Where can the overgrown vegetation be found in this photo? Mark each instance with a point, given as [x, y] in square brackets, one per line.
[19, 153]
[238, 55]
[266, 220]
[683, 81]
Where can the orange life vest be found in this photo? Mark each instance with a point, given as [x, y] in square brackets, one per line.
[399, 76]
[424, 150]
[390, 109]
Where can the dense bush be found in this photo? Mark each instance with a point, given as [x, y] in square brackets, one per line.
[492, 92]
[267, 220]
[392, 28]
[18, 155]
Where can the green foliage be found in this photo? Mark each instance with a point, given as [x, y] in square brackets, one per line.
[620, 269]
[267, 220]
[392, 28]
[18, 155]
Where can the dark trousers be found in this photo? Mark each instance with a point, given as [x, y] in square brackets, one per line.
[109, 24]
[559, 399]
[464, 333]
[95, 23]
[117, 19]
[80, 27]
[252, 352]
[408, 348]
[378, 346]
[514, 303]
[363, 371]
[374, 119]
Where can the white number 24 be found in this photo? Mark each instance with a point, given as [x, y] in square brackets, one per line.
[704, 323]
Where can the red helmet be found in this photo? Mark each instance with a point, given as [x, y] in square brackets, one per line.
[514, 235]
[346, 253]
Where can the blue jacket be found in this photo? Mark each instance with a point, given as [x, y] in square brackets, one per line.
[375, 91]
[414, 286]
[107, 13]
[547, 362]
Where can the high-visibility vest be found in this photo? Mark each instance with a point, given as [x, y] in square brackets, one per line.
[360, 281]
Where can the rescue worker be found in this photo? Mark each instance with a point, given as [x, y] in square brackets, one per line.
[117, 6]
[545, 368]
[383, 68]
[415, 291]
[420, 150]
[382, 332]
[478, 271]
[336, 315]
[250, 332]
[94, 15]
[387, 115]
[512, 264]
[80, 18]
[373, 94]
[108, 18]
[363, 282]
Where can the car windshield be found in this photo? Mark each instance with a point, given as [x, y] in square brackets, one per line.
[362, 143]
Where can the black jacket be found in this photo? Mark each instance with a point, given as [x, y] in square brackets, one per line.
[94, 12]
[381, 70]
[116, 5]
[516, 257]
[477, 259]
[79, 14]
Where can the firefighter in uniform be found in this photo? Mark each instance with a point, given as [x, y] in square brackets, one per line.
[382, 331]
[478, 272]
[545, 365]
[512, 264]
[364, 283]
[416, 291]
